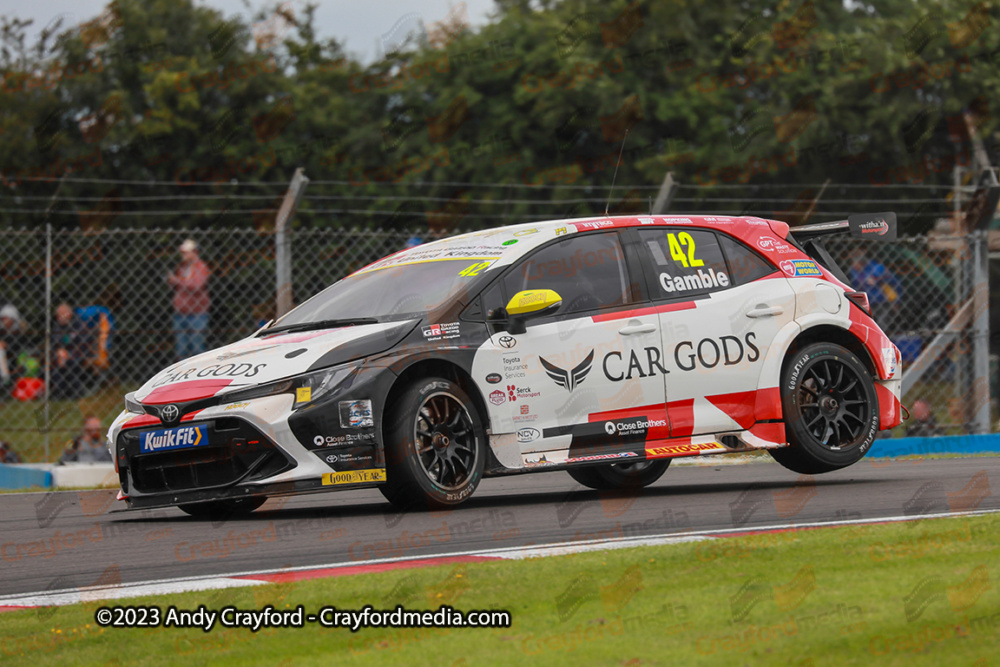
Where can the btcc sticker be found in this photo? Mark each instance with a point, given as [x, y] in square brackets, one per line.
[354, 477]
[682, 450]
[494, 378]
[182, 437]
[356, 414]
[889, 360]
[800, 267]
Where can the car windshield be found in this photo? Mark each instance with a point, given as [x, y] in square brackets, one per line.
[392, 289]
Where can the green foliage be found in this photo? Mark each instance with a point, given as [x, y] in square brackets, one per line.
[727, 93]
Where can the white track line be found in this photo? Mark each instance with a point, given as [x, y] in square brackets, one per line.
[240, 579]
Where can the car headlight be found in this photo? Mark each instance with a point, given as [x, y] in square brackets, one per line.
[307, 388]
[133, 405]
[314, 386]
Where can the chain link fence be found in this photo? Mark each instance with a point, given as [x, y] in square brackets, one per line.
[116, 280]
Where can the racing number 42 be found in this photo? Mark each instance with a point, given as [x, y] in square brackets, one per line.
[676, 241]
[472, 271]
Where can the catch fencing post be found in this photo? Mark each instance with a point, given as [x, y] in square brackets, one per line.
[980, 333]
[666, 193]
[282, 250]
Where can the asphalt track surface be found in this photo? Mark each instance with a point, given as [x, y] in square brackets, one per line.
[61, 540]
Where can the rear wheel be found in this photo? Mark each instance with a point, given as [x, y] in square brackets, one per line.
[620, 476]
[434, 446]
[221, 509]
[830, 408]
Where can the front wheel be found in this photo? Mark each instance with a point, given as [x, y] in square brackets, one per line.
[434, 446]
[224, 509]
[620, 476]
[830, 408]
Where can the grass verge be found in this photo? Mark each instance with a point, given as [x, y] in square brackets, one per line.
[917, 592]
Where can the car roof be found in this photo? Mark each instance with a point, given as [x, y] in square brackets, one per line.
[502, 246]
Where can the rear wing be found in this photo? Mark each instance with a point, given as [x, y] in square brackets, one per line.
[871, 226]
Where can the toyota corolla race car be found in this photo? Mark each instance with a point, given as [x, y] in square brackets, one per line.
[604, 347]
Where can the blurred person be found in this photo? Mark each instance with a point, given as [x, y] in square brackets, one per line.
[89, 446]
[13, 341]
[72, 347]
[922, 422]
[191, 301]
[7, 453]
[879, 283]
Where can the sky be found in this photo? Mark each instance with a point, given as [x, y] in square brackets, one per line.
[361, 24]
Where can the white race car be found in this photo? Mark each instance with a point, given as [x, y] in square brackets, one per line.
[604, 347]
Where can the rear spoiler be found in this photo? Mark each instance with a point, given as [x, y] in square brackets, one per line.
[872, 226]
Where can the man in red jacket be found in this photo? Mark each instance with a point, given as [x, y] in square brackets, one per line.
[191, 301]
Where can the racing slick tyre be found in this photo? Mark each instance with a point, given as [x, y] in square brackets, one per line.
[620, 476]
[435, 446]
[221, 509]
[830, 407]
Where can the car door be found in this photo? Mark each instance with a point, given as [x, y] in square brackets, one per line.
[721, 305]
[588, 379]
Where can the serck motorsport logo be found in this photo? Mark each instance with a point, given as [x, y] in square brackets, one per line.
[569, 379]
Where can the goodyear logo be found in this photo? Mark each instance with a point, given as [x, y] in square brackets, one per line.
[173, 438]
[354, 477]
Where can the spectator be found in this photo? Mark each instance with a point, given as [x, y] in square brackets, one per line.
[13, 341]
[89, 446]
[922, 422]
[7, 453]
[882, 286]
[191, 301]
[72, 348]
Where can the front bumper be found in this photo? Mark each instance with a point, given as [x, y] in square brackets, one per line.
[236, 453]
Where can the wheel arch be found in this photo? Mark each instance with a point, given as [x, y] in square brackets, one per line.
[437, 367]
[829, 333]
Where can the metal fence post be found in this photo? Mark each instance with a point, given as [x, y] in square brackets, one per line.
[980, 391]
[282, 251]
[48, 335]
[666, 193]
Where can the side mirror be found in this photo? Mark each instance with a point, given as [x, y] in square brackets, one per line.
[529, 304]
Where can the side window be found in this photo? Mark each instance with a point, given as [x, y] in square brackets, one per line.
[687, 262]
[492, 301]
[745, 265]
[587, 271]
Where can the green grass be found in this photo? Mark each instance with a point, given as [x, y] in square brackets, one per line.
[817, 597]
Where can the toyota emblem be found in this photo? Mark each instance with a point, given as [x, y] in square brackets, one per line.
[507, 341]
[169, 414]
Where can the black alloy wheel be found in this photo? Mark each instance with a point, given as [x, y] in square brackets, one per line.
[830, 408]
[434, 446]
